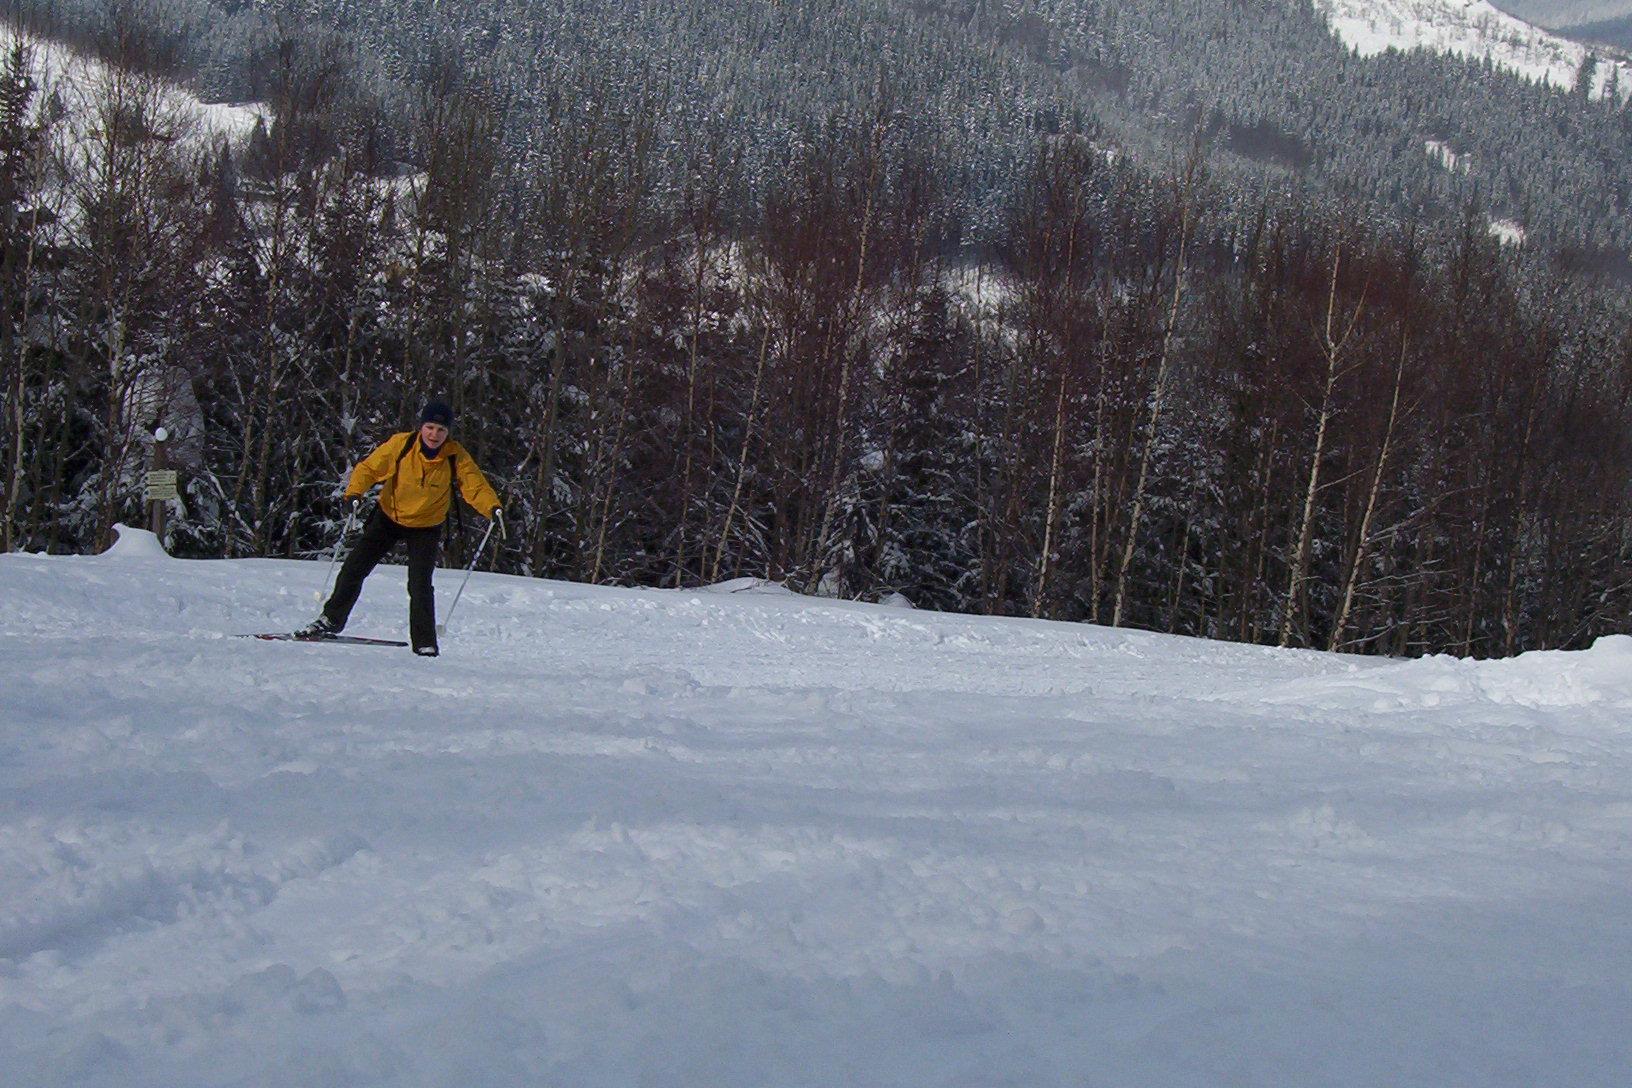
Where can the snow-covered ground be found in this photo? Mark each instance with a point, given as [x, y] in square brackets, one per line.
[81, 85]
[1472, 28]
[745, 839]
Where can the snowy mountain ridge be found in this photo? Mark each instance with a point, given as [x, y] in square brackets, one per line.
[1476, 29]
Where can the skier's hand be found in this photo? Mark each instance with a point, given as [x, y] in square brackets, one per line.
[497, 517]
[354, 503]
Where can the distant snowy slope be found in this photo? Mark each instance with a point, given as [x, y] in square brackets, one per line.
[78, 82]
[1472, 28]
[736, 838]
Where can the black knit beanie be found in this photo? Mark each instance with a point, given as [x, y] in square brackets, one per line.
[437, 412]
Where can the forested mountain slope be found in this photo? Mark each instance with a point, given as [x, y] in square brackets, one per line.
[1612, 32]
[1283, 99]
[1564, 14]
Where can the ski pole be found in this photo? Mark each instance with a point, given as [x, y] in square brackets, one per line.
[442, 628]
[345, 530]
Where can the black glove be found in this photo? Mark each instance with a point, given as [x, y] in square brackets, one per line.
[497, 517]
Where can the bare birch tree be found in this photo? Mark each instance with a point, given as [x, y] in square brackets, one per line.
[1334, 338]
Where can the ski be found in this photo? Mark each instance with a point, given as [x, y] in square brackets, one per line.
[351, 640]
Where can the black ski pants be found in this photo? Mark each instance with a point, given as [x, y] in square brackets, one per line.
[380, 535]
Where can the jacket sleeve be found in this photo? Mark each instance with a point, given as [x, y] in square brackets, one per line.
[374, 468]
[474, 486]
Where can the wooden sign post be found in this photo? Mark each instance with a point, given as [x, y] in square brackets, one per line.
[161, 484]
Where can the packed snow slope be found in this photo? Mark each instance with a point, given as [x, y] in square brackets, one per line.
[1476, 29]
[736, 838]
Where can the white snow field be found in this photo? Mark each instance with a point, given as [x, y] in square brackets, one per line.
[741, 839]
[1477, 29]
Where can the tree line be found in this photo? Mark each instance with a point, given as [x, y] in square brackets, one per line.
[1148, 398]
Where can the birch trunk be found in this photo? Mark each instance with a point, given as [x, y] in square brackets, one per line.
[1158, 395]
[742, 457]
[544, 444]
[1056, 460]
[1332, 348]
[849, 334]
[1362, 547]
[19, 422]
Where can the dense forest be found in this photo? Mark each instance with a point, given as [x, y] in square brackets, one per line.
[1283, 102]
[999, 308]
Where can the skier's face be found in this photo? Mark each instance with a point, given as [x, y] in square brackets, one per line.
[433, 435]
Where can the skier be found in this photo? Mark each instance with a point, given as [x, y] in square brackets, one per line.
[418, 469]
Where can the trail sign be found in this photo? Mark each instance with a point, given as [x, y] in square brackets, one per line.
[161, 485]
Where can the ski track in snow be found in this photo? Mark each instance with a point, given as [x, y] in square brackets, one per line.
[717, 838]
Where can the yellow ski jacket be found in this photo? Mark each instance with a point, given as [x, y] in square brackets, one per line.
[419, 490]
